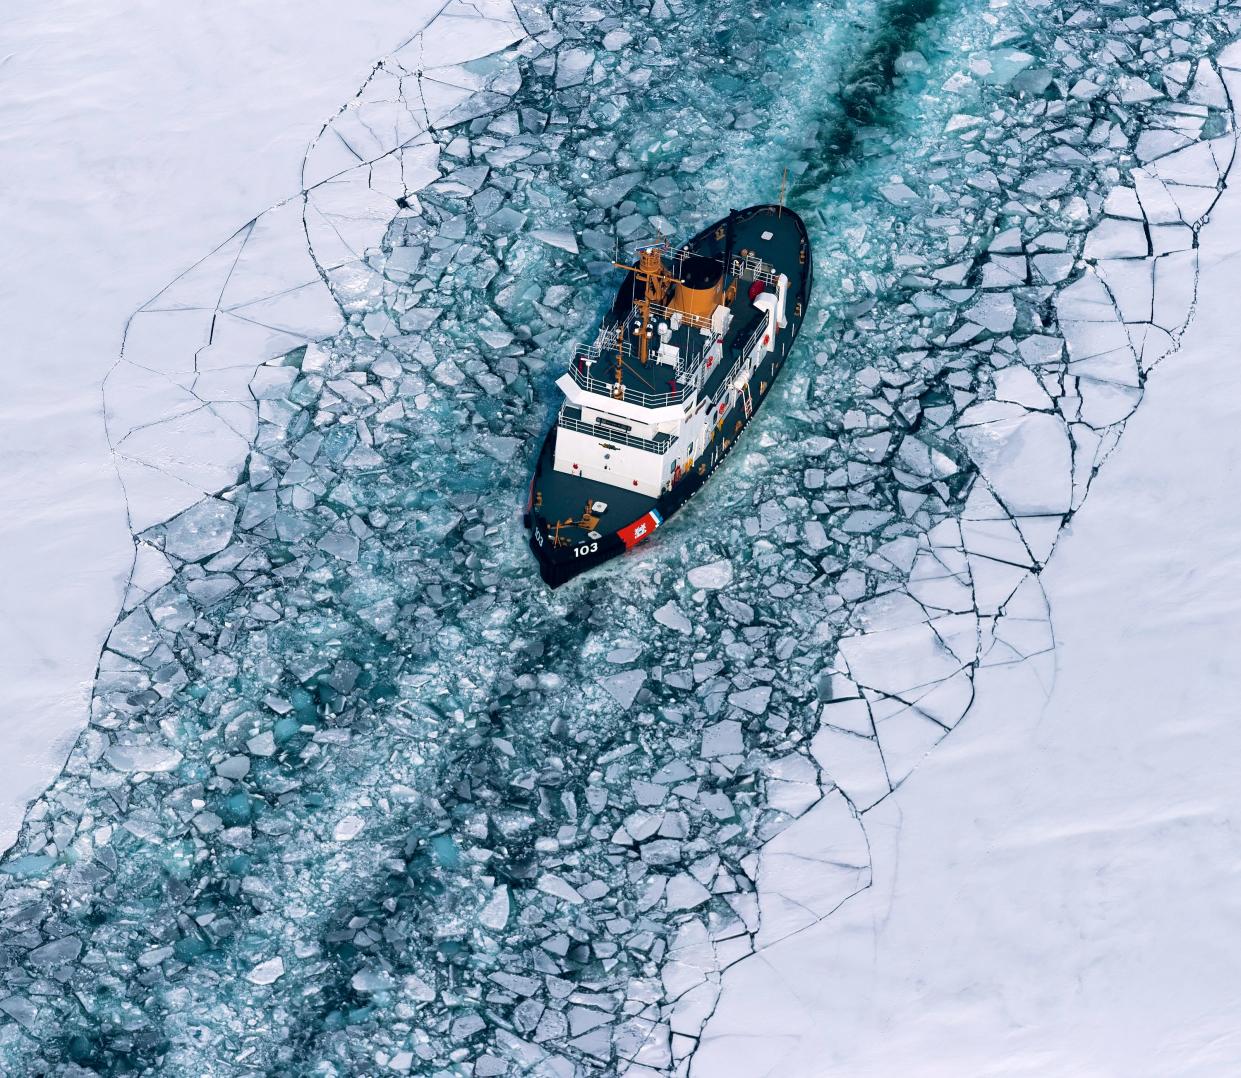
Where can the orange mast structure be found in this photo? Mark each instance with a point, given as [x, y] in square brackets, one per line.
[657, 285]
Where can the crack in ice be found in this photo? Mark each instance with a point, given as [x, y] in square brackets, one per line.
[355, 793]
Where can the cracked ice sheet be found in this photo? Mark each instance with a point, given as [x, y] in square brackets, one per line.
[174, 134]
[1055, 887]
[319, 576]
[953, 957]
[181, 404]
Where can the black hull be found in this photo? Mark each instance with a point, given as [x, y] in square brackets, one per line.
[560, 564]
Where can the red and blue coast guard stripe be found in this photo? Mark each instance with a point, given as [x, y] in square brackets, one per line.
[632, 534]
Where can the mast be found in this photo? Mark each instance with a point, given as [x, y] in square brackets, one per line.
[657, 283]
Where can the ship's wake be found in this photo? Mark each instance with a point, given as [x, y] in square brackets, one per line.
[358, 794]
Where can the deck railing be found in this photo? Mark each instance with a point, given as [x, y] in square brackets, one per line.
[659, 444]
[579, 371]
[759, 330]
[755, 269]
[738, 361]
[585, 356]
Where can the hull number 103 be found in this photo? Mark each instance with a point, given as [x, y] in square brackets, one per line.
[584, 549]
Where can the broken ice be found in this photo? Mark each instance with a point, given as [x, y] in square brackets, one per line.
[357, 795]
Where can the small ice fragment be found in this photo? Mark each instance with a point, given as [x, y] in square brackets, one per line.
[263, 744]
[417, 988]
[494, 914]
[267, 972]
[152, 958]
[135, 636]
[554, 885]
[348, 829]
[684, 893]
[143, 756]
[752, 700]
[369, 980]
[201, 530]
[624, 686]
[616, 39]
[816, 535]
[21, 1010]
[670, 615]
[899, 194]
[572, 67]
[722, 739]
[557, 237]
[714, 575]
[65, 949]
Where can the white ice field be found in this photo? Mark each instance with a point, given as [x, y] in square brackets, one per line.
[1054, 887]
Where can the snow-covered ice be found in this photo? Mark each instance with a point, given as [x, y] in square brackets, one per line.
[133, 138]
[1056, 886]
[355, 791]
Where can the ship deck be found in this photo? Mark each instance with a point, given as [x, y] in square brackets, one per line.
[781, 249]
[567, 496]
[651, 377]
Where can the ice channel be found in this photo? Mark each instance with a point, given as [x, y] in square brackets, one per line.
[357, 795]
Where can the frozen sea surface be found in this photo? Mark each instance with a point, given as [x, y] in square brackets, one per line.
[132, 138]
[1055, 887]
[357, 795]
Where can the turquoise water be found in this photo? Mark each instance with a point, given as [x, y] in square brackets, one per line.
[358, 794]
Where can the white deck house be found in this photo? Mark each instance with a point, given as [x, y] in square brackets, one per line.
[641, 425]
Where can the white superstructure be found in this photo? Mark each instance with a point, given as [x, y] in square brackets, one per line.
[641, 425]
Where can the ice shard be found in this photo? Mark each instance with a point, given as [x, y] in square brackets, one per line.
[357, 795]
